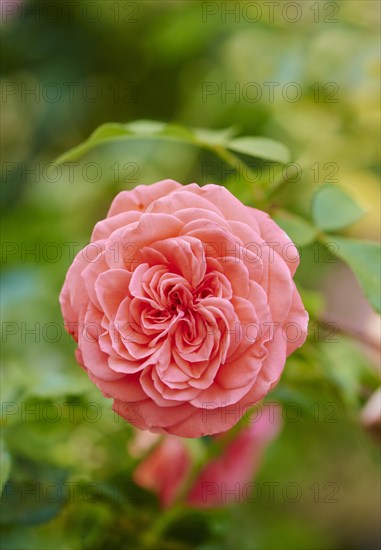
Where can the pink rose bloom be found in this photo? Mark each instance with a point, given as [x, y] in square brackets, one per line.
[184, 307]
[225, 479]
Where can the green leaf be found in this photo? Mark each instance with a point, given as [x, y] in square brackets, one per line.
[178, 132]
[263, 148]
[333, 208]
[364, 257]
[5, 465]
[146, 127]
[103, 133]
[41, 493]
[137, 130]
[201, 137]
[345, 367]
[106, 131]
[298, 229]
[214, 137]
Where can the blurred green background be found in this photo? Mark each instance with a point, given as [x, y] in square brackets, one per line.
[307, 76]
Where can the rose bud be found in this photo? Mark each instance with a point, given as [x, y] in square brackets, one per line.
[225, 479]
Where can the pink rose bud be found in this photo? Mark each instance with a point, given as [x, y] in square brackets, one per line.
[164, 470]
[226, 479]
[184, 307]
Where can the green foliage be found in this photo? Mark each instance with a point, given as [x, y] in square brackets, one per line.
[365, 260]
[5, 465]
[261, 148]
[66, 465]
[299, 230]
[201, 137]
[333, 208]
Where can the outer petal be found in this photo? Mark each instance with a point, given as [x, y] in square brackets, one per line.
[146, 414]
[227, 203]
[296, 325]
[281, 242]
[141, 197]
[104, 228]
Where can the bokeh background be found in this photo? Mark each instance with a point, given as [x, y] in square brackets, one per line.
[307, 76]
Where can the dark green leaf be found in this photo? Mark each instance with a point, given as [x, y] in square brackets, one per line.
[34, 494]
